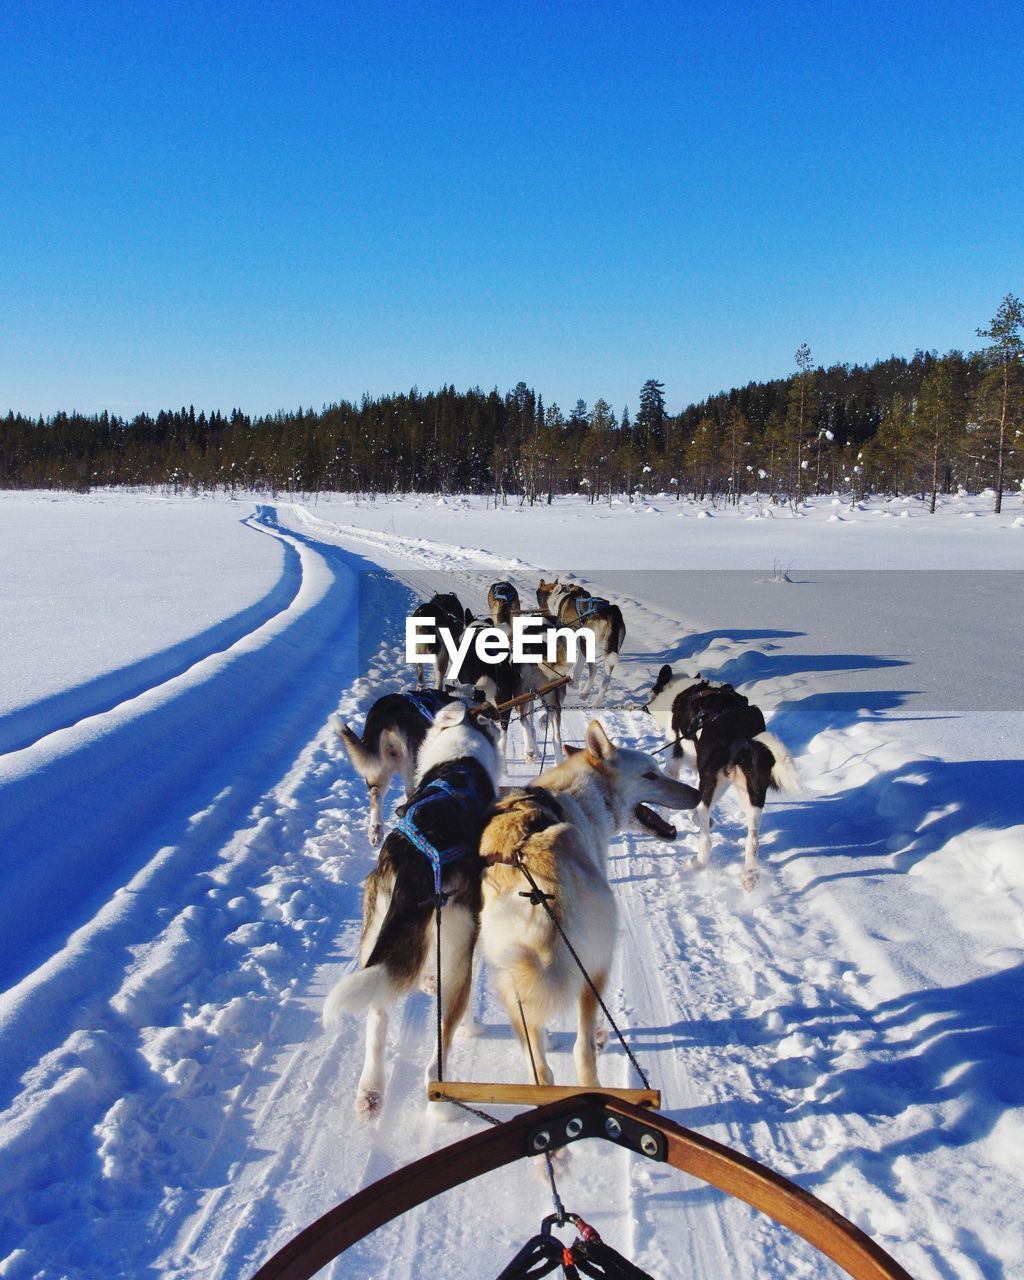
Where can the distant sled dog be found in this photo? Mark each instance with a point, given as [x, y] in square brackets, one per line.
[446, 611]
[392, 736]
[561, 826]
[731, 744]
[502, 681]
[502, 603]
[573, 606]
[455, 786]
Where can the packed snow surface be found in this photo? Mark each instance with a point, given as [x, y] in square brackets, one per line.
[183, 847]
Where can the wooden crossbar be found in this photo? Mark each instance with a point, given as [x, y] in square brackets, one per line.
[522, 698]
[533, 1095]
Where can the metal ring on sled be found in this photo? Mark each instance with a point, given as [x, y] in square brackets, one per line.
[586, 1115]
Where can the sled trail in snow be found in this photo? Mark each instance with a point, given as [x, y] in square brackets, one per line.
[808, 1024]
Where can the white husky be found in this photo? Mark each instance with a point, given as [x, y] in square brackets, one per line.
[560, 828]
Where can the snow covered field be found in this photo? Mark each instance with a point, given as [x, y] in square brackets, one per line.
[182, 843]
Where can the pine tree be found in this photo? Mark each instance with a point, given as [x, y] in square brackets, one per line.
[942, 414]
[703, 456]
[800, 417]
[890, 454]
[737, 440]
[1000, 398]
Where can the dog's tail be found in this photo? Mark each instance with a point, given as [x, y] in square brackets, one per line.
[358, 993]
[365, 760]
[399, 951]
[617, 633]
[784, 776]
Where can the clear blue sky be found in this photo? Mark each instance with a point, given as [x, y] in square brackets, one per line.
[282, 203]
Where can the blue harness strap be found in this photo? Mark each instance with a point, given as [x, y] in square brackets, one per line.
[467, 795]
[587, 605]
[428, 702]
[503, 591]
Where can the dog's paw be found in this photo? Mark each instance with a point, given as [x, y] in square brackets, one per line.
[531, 757]
[428, 983]
[375, 833]
[749, 878]
[695, 862]
[470, 1029]
[369, 1103]
[601, 1038]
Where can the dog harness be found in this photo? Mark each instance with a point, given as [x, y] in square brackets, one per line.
[428, 702]
[503, 591]
[460, 787]
[588, 605]
[700, 719]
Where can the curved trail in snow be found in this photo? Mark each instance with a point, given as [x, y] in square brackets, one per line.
[194, 1080]
[161, 769]
[25, 726]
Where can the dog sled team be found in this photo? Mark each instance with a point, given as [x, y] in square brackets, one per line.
[460, 841]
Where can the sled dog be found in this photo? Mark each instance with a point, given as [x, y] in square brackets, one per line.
[445, 610]
[500, 682]
[392, 736]
[502, 603]
[456, 782]
[560, 827]
[572, 606]
[732, 745]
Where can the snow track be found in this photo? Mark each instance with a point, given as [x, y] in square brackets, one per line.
[174, 1107]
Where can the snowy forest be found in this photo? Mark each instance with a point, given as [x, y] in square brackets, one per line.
[926, 425]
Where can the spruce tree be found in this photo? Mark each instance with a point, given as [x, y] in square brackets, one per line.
[650, 419]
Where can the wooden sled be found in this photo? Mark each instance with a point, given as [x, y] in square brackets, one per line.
[592, 1114]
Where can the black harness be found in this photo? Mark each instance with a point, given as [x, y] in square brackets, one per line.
[700, 717]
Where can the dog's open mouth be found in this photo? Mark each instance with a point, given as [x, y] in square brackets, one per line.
[654, 823]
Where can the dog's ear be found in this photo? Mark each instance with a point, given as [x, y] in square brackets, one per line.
[599, 745]
[665, 674]
[469, 615]
[570, 750]
[483, 710]
[450, 715]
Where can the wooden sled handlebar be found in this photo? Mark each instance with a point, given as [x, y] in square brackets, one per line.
[521, 698]
[589, 1115]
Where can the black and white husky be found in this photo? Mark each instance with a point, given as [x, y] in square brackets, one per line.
[456, 784]
[392, 736]
[731, 744]
[502, 681]
[573, 606]
[446, 611]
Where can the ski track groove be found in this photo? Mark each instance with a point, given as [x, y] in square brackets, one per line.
[709, 1025]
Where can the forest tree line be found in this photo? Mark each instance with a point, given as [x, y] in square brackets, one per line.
[928, 425]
